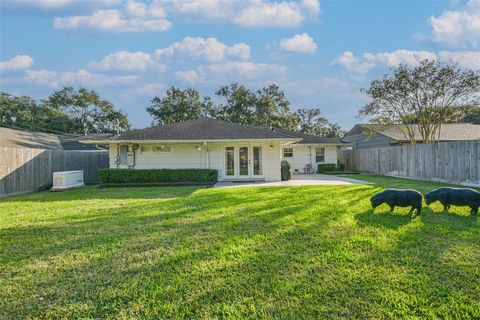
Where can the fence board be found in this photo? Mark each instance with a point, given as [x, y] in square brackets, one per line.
[24, 170]
[456, 162]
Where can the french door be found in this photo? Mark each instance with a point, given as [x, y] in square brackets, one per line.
[243, 162]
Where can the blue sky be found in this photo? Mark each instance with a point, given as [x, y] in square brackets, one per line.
[319, 52]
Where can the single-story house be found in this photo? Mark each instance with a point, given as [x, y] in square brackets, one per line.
[238, 152]
[40, 140]
[363, 136]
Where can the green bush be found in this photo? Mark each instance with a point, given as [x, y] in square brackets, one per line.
[341, 167]
[158, 175]
[326, 167]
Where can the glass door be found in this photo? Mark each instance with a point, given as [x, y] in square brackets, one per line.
[257, 162]
[243, 162]
[230, 162]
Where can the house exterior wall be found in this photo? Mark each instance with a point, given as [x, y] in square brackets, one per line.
[197, 155]
[305, 154]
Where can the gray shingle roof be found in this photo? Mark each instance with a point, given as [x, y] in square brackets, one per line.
[201, 129]
[448, 132]
[40, 140]
[306, 138]
[26, 139]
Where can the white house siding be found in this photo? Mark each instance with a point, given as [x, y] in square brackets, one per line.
[305, 154]
[197, 155]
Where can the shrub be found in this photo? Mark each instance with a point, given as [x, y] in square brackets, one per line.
[341, 167]
[158, 175]
[325, 167]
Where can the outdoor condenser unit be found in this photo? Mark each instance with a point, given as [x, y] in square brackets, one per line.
[67, 179]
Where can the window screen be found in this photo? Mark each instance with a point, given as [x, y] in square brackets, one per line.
[287, 152]
[319, 155]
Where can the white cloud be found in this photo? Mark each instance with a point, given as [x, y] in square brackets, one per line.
[19, 62]
[135, 17]
[348, 61]
[276, 14]
[56, 4]
[334, 82]
[397, 57]
[302, 43]
[126, 61]
[55, 79]
[250, 13]
[190, 76]
[467, 59]
[458, 28]
[149, 89]
[209, 49]
[240, 70]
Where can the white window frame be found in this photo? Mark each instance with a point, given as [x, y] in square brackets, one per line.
[291, 156]
[321, 154]
[125, 158]
[154, 149]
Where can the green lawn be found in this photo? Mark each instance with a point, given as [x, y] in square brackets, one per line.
[278, 252]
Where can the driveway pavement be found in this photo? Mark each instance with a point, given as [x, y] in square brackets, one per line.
[297, 180]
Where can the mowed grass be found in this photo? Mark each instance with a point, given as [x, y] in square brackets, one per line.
[278, 252]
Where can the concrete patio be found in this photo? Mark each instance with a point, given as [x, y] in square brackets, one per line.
[297, 180]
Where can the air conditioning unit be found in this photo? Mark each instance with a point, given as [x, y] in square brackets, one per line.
[67, 179]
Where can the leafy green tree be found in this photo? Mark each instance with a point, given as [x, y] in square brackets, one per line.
[423, 94]
[86, 111]
[23, 112]
[239, 106]
[465, 114]
[178, 105]
[16, 109]
[311, 121]
[267, 106]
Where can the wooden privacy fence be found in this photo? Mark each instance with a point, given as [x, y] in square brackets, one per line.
[457, 162]
[24, 170]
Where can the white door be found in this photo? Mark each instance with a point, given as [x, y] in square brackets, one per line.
[243, 162]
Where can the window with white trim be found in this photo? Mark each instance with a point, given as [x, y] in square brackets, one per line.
[319, 155]
[155, 149]
[122, 154]
[287, 152]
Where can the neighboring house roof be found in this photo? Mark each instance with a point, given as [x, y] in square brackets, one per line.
[448, 132]
[202, 129]
[39, 140]
[72, 142]
[306, 138]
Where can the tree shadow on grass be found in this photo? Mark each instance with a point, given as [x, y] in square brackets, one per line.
[100, 193]
[391, 220]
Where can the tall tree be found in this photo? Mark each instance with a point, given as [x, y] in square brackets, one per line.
[178, 105]
[87, 112]
[23, 112]
[267, 106]
[239, 106]
[311, 121]
[421, 95]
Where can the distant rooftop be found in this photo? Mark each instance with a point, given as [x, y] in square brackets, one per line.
[448, 132]
[40, 140]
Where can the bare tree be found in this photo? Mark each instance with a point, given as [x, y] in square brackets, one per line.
[418, 99]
